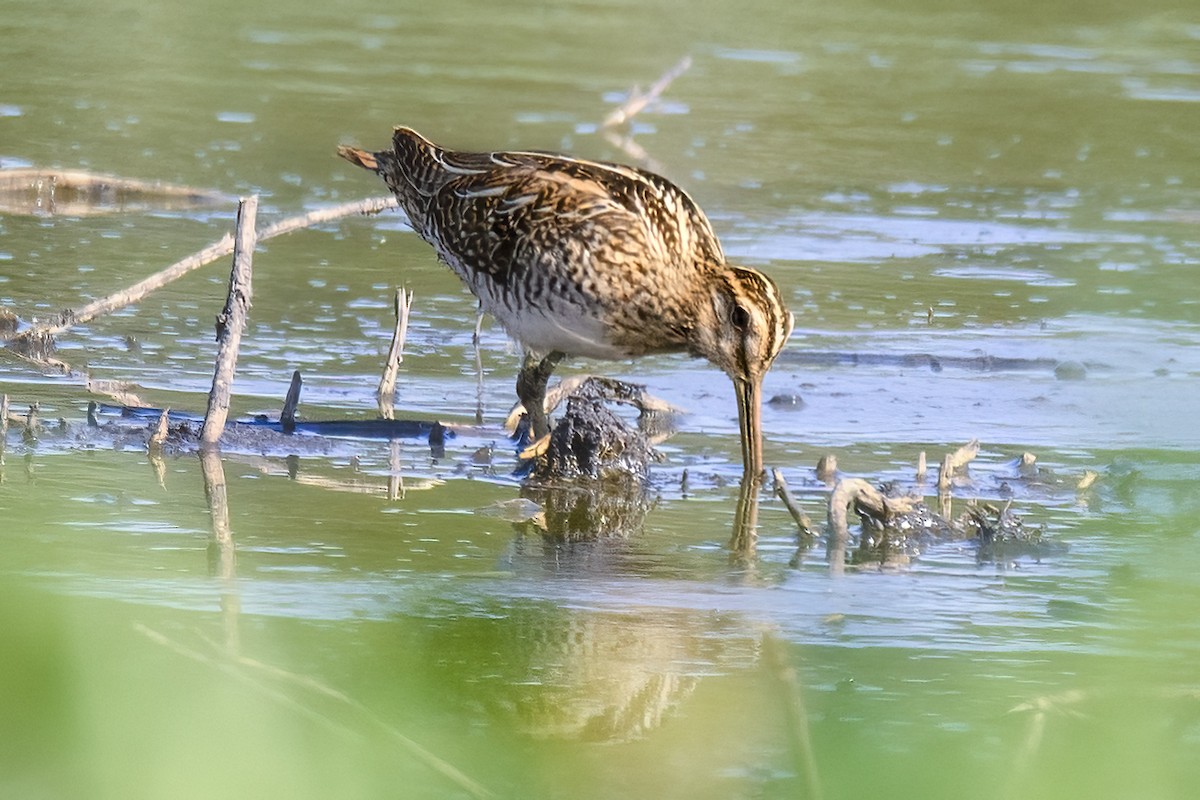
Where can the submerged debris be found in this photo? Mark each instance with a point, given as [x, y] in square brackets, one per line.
[44, 192]
[590, 441]
[897, 526]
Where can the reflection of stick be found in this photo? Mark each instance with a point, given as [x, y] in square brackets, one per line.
[797, 715]
[231, 323]
[395, 356]
[3, 425]
[395, 489]
[177, 270]
[417, 751]
[221, 553]
[218, 509]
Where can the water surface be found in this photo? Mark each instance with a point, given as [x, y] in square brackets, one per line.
[955, 200]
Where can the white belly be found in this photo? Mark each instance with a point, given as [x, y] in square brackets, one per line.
[575, 334]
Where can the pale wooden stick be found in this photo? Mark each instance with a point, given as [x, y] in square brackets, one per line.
[865, 498]
[953, 462]
[231, 323]
[371, 205]
[395, 356]
[213, 252]
[159, 437]
[119, 300]
[789, 502]
[639, 100]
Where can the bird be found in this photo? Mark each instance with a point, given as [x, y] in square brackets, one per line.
[587, 258]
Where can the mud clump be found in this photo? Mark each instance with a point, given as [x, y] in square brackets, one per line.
[591, 442]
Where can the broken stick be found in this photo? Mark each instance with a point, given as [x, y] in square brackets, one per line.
[287, 417]
[24, 340]
[789, 502]
[395, 357]
[231, 323]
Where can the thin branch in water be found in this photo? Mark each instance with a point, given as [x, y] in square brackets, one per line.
[28, 338]
[231, 323]
[789, 502]
[287, 416]
[952, 463]
[46, 192]
[395, 357]
[634, 105]
[639, 100]
[159, 437]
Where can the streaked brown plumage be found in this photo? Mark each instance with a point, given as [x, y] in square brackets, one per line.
[585, 258]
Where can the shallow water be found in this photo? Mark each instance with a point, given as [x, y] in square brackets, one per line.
[957, 201]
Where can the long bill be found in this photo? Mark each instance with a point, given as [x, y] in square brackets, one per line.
[749, 400]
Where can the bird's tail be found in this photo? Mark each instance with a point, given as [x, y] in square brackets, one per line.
[359, 157]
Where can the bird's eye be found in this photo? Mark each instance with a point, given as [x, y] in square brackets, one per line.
[739, 317]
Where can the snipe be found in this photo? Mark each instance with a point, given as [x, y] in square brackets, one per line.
[592, 259]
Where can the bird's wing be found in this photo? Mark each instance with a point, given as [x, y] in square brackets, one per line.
[509, 211]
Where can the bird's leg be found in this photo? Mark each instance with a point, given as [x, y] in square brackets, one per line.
[531, 390]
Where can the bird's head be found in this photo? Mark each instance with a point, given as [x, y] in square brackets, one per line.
[742, 326]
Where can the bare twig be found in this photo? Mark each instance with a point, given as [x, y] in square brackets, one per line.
[231, 323]
[636, 102]
[395, 357]
[287, 417]
[639, 100]
[22, 341]
[133, 294]
[953, 462]
[371, 205]
[159, 437]
[789, 502]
